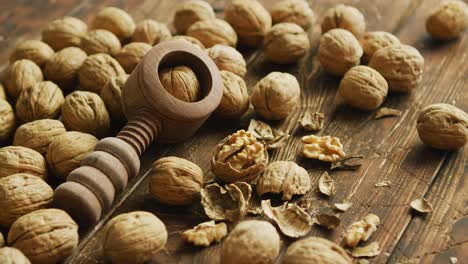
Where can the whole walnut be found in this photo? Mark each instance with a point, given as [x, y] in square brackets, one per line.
[63, 66]
[38, 134]
[134, 237]
[20, 75]
[339, 51]
[228, 59]
[212, 32]
[275, 95]
[285, 43]
[448, 21]
[181, 82]
[188, 13]
[2, 241]
[363, 87]
[151, 32]
[251, 242]
[116, 21]
[97, 70]
[443, 126]
[190, 40]
[100, 41]
[45, 236]
[345, 17]
[131, 54]
[41, 101]
[3, 95]
[175, 181]
[316, 250]
[34, 50]
[67, 151]
[17, 159]
[235, 100]
[249, 19]
[7, 120]
[11, 255]
[402, 66]
[64, 32]
[86, 112]
[22, 194]
[293, 11]
[375, 40]
[111, 94]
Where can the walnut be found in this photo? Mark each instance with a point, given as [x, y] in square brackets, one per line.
[100, 41]
[86, 112]
[37, 135]
[7, 120]
[111, 94]
[41, 101]
[17, 159]
[212, 32]
[190, 40]
[345, 17]
[361, 230]
[285, 43]
[239, 157]
[3, 95]
[181, 82]
[323, 148]
[448, 21]
[316, 250]
[443, 126]
[2, 241]
[373, 41]
[20, 75]
[64, 32]
[67, 151]
[250, 242]
[131, 54]
[45, 236]
[229, 203]
[190, 12]
[63, 66]
[11, 255]
[291, 219]
[175, 181]
[235, 100]
[284, 177]
[33, 50]
[402, 66]
[249, 19]
[339, 51]
[205, 233]
[293, 11]
[275, 95]
[228, 59]
[151, 32]
[116, 21]
[134, 237]
[21, 194]
[363, 87]
[97, 70]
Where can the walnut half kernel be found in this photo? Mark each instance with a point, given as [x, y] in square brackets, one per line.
[361, 230]
[325, 148]
[205, 233]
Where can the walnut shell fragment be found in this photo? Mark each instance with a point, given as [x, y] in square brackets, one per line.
[11, 255]
[327, 184]
[205, 233]
[343, 206]
[325, 148]
[315, 250]
[273, 138]
[291, 219]
[421, 205]
[226, 203]
[312, 121]
[329, 221]
[351, 162]
[361, 230]
[386, 112]
[371, 250]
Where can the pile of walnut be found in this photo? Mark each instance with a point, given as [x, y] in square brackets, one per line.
[62, 93]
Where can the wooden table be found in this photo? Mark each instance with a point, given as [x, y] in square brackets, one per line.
[392, 148]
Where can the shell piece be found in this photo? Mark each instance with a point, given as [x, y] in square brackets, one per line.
[286, 43]
[375, 40]
[386, 112]
[235, 100]
[64, 32]
[273, 138]
[116, 21]
[212, 32]
[35, 50]
[11, 255]
[22, 74]
[63, 66]
[327, 184]
[37, 135]
[44, 236]
[284, 177]
[151, 32]
[371, 250]
[100, 41]
[181, 82]
[205, 233]
[343, 206]
[312, 121]
[293, 11]
[228, 203]
[97, 70]
[345, 17]
[315, 250]
[131, 54]
[350, 162]
[421, 205]
[325, 148]
[228, 58]
[448, 21]
[292, 220]
[111, 94]
[7, 120]
[361, 230]
[329, 221]
[191, 12]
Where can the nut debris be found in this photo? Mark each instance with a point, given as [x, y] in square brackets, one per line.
[453, 260]
[383, 184]
[371, 250]
[226, 203]
[327, 184]
[292, 220]
[352, 162]
[363, 261]
[387, 112]
[273, 138]
[312, 121]
[205, 233]
[325, 148]
[343, 206]
[421, 205]
[328, 221]
[361, 230]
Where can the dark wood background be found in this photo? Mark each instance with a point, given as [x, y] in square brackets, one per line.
[392, 148]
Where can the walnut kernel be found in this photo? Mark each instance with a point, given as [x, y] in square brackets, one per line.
[212, 32]
[20, 75]
[205, 233]
[323, 148]
[345, 17]
[235, 100]
[37, 135]
[116, 21]
[228, 59]
[190, 12]
[63, 66]
[285, 43]
[64, 32]
[97, 70]
[316, 250]
[448, 21]
[361, 230]
[181, 82]
[100, 41]
[17, 159]
[375, 40]
[7, 120]
[33, 50]
[131, 54]
[293, 11]
[151, 32]
[111, 94]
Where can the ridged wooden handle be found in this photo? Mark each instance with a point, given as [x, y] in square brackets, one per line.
[140, 133]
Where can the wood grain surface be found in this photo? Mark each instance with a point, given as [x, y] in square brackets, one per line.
[391, 146]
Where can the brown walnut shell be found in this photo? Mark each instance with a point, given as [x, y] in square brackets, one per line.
[228, 59]
[111, 94]
[116, 21]
[34, 50]
[37, 135]
[212, 32]
[100, 41]
[3, 95]
[448, 21]
[316, 250]
[63, 66]
[131, 54]
[293, 11]
[181, 82]
[7, 120]
[345, 17]
[11, 255]
[235, 100]
[285, 43]
[64, 32]
[20, 75]
[151, 32]
[375, 40]
[17, 159]
[190, 40]
[97, 70]
[191, 12]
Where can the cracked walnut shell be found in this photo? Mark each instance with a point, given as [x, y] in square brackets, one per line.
[228, 58]
[11, 255]
[239, 157]
[373, 41]
[316, 250]
[345, 17]
[205, 233]
[7, 120]
[293, 11]
[134, 237]
[212, 32]
[285, 43]
[46, 236]
[190, 12]
[64, 32]
[20, 75]
[17, 159]
[448, 21]
[151, 32]
[361, 230]
[116, 21]
[235, 100]
[100, 41]
[325, 148]
[63, 66]
[131, 54]
[443, 126]
[291, 219]
[34, 50]
[37, 135]
[181, 82]
[97, 70]
[111, 94]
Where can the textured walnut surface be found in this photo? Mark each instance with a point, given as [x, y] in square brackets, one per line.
[316, 250]
[293, 11]
[324, 148]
